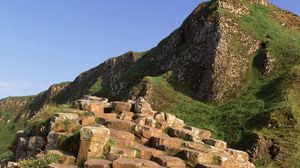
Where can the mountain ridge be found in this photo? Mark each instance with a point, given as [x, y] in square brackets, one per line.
[224, 51]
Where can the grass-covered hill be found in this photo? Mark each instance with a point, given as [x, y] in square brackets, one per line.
[232, 67]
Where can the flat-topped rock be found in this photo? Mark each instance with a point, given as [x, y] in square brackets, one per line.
[97, 163]
[147, 153]
[119, 107]
[216, 143]
[56, 165]
[65, 158]
[134, 163]
[163, 142]
[122, 138]
[169, 161]
[116, 153]
[147, 132]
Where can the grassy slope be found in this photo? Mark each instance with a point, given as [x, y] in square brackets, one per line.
[264, 99]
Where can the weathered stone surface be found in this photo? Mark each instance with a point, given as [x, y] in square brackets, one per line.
[119, 107]
[54, 139]
[142, 106]
[216, 143]
[64, 122]
[121, 125]
[238, 155]
[134, 163]
[35, 145]
[184, 134]
[203, 134]
[202, 165]
[116, 153]
[97, 163]
[65, 158]
[147, 153]
[13, 165]
[163, 142]
[122, 138]
[169, 161]
[126, 115]
[55, 165]
[22, 148]
[89, 120]
[196, 157]
[92, 143]
[93, 104]
[147, 132]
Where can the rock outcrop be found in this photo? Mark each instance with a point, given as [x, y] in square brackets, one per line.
[131, 134]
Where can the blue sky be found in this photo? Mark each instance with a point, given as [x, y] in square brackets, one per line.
[47, 42]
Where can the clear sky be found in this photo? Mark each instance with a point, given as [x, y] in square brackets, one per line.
[43, 42]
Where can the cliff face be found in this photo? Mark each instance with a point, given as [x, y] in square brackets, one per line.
[225, 68]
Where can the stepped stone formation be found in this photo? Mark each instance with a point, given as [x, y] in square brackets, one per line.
[126, 135]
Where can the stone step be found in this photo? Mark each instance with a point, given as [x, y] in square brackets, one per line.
[169, 161]
[147, 153]
[116, 153]
[97, 163]
[134, 163]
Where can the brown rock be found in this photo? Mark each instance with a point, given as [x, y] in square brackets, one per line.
[238, 155]
[97, 163]
[64, 157]
[126, 115]
[146, 152]
[142, 106]
[64, 122]
[163, 142]
[185, 134]
[201, 165]
[119, 107]
[92, 142]
[134, 163]
[203, 134]
[122, 138]
[116, 153]
[56, 165]
[216, 143]
[196, 157]
[169, 161]
[121, 125]
[147, 132]
[54, 139]
[89, 120]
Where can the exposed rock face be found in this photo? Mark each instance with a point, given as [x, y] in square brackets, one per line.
[114, 142]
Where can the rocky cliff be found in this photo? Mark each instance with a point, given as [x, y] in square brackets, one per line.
[231, 67]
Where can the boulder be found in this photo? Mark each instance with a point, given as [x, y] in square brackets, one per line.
[238, 155]
[203, 134]
[88, 120]
[35, 145]
[56, 165]
[55, 139]
[169, 161]
[22, 148]
[92, 142]
[121, 125]
[116, 153]
[142, 106]
[147, 132]
[203, 165]
[134, 163]
[216, 143]
[196, 157]
[126, 115]
[65, 158]
[119, 107]
[147, 153]
[163, 142]
[97, 163]
[185, 134]
[122, 138]
[64, 122]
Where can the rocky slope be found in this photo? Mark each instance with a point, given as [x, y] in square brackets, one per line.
[231, 67]
[129, 134]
